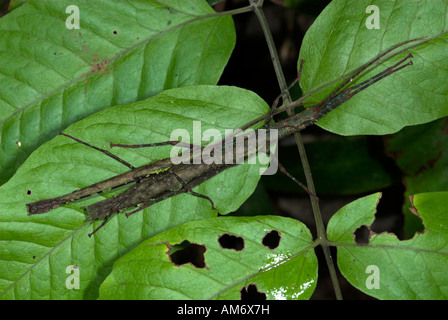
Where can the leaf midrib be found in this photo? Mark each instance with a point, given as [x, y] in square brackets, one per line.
[383, 246]
[109, 62]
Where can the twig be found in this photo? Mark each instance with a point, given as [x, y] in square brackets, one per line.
[321, 233]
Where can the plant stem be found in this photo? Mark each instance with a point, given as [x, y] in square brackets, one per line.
[231, 12]
[321, 233]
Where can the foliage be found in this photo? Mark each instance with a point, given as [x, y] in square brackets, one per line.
[152, 67]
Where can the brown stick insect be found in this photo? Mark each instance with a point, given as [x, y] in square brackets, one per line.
[159, 180]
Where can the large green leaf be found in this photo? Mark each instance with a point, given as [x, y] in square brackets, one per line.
[124, 51]
[283, 268]
[387, 268]
[421, 154]
[36, 250]
[339, 42]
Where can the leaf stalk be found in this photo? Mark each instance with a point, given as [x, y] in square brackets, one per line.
[321, 233]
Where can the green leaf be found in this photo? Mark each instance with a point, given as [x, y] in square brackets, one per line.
[213, 2]
[13, 4]
[387, 268]
[286, 271]
[339, 42]
[421, 154]
[124, 51]
[36, 250]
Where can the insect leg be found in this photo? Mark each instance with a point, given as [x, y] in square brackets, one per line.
[203, 196]
[101, 225]
[157, 144]
[275, 103]
[189, 190]
[283, 170]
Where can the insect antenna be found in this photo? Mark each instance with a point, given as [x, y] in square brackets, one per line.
[109, 154]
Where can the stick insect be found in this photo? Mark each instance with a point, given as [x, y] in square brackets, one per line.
[160, 180]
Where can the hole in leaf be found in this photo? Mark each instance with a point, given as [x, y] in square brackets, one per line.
[388, 216]
[28, 192]
[115, 32]
[187, 252]
[251, 293]
[362, 235]
[414, 222]
[271, 239]
[227, 241]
